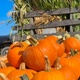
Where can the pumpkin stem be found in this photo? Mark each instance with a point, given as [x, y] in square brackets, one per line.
[57, 64]
[73, 52]
[3, 76]
[3, 57]
[22, 66]
[47, 64]
[59, 41]
[33, 41]
[24, 77]
[2, 64]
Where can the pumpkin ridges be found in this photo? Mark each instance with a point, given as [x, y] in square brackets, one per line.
[73, 63]
[49, 73]
[71, 43]
[15, 51]
[19, 72]
[68, 73]
[43, 48]
[59, 46]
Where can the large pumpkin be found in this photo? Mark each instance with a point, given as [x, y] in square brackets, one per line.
[15, 51]
[33, 55]
[57, 43]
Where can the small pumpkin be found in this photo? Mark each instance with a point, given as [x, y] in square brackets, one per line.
[15, 75]
[15, 52]
[71, 43]
[4, 69]
[73, 63]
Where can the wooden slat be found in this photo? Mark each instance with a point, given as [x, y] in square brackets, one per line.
[52, 24]
[54, 12]
[39, 36]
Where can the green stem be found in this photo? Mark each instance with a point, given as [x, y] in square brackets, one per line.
[24, 77]
[72, 52]
[59, 41]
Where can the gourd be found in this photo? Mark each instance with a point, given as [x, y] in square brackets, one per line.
[49, 73]
[33, 55]
[71, 43]
[15, 52]
[15, 75]
[4, 69]
[57, 44]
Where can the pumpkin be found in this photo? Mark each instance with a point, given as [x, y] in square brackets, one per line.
[15, 52]
[49, 73]
[71, 43]
[4, 69]
[58, 44]
[15, 75]
[68, 73]
[33, 55]
[73, 63]
[65, 69]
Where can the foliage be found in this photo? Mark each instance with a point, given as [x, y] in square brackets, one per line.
[53, 4]
[76, 16]
[21, 7]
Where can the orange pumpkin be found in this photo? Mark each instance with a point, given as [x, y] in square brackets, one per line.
[33, 55]
[4, 69]
[71, 43]
[49, 73]
[68, 73]
[58, 44]
[15, 75]
[73, 63]
[15, 52]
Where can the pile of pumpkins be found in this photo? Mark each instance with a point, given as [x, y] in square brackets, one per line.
[50, 58]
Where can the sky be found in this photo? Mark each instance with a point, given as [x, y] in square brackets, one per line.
[5, 7]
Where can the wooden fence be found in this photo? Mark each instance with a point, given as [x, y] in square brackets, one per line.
[68, 22]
